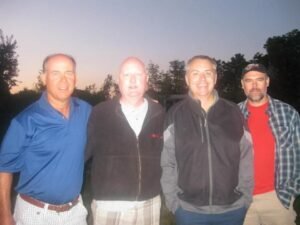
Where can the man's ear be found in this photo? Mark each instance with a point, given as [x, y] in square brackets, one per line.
[186, 79]
[43, 78]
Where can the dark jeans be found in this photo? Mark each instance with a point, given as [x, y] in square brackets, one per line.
[235, 217]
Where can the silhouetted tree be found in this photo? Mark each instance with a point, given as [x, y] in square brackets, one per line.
[171, 82]
[284, 63]
[23, 99]
[8, 63]
[260, 58]
[91, 88]
[107, 89]
[39, 85]
[229, 85]
[8, 73]
[93, 96]
[155, 80]
[177, 73]
[89, 94]
[166, 87]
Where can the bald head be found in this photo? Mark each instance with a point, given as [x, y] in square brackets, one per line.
[132, 81]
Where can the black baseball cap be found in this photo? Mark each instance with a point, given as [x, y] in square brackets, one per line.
[254, 67]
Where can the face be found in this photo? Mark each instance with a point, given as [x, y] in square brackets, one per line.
[60, 79]
[201, 78]
[255, 85]
[132, 81]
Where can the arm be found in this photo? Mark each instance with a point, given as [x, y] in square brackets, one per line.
[296, 153]
[169, 170]
[88, 147]
[10, 162]
[246, 181]
[5, 196]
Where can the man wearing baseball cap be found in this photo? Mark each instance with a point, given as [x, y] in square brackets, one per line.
[275, 130]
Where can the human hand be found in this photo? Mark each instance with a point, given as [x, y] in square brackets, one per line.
[8, 220]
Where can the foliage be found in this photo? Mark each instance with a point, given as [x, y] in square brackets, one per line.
[229, 85]
[281, 60]
[155, 79]
[39, 85]
[164, 84]
[8, 73]
[108, 87]
[8, 63]
[284, 65]
[23, 99]
[94, 96]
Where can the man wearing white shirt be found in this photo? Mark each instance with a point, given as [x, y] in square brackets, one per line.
[125, 143]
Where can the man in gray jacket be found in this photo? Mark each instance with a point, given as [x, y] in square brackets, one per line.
[207, 156]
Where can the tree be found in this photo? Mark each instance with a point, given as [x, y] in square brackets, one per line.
[229, 85]
[107, 89]
[177, 73]
[91, 89]
[39, 85]
[155, 80]
[8, 72]
[284, 65]
[8, 63]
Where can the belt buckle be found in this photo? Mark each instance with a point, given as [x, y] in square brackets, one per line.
[64, 207]
[68, 206]
[58, 208]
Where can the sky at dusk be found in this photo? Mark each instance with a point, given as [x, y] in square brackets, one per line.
[101, 33]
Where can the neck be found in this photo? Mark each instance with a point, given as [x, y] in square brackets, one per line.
[207, 102]
[259, 103]
[62, 107]
[135, 103]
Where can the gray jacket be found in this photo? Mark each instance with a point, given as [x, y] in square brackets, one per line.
[200, 172]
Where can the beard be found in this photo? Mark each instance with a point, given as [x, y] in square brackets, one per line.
[256, 95]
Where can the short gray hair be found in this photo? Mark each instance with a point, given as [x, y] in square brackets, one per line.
[202, 57]
[46, 60]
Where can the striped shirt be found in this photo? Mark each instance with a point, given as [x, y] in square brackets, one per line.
[285, 124]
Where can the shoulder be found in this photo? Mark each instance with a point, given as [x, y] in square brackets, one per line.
[25, 118]
[242, 104]
[155, 106]
[280, 104]
[283, 108]
[81, 103]
[229, 109]
[180, 105]
[178, 111]
[229, 105]
[30, 110]
[105, 107]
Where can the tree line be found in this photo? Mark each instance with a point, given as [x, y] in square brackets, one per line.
[282, 60]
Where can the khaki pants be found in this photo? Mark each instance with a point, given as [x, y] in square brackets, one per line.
[266, 209]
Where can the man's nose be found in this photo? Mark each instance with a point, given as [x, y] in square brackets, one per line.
[63, 78]
[254, 84]
[132, 78]
[202, 77]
